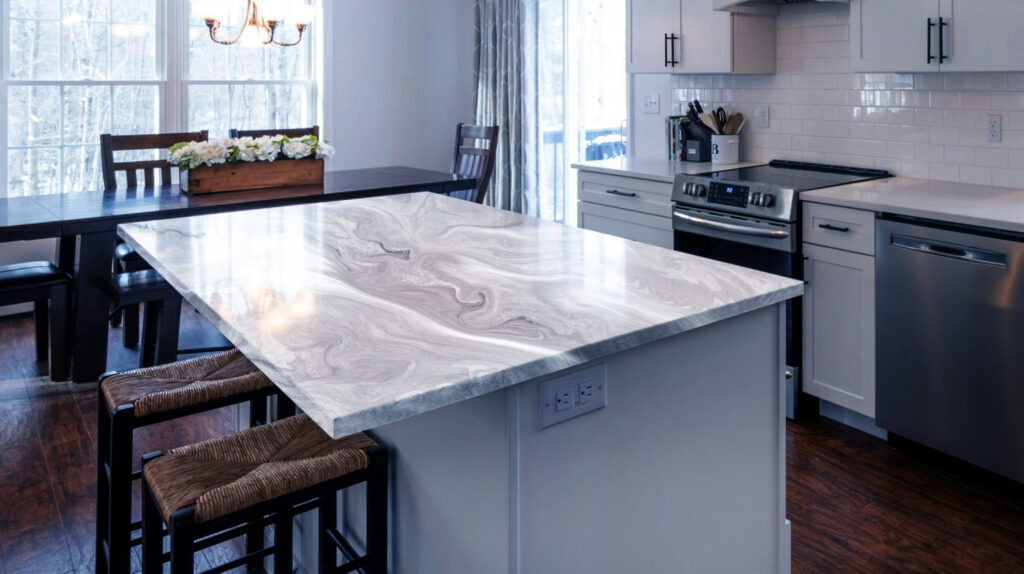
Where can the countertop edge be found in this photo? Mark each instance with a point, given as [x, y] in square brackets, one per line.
[819, 197]
[472, 388]
[623, 173]
[381, 415]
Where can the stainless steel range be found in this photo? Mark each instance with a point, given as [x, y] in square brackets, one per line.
[750, 216]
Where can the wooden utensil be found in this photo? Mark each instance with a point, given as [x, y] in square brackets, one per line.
[733, 124]
[709, 120]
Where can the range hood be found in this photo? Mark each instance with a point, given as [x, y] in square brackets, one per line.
[767, 7]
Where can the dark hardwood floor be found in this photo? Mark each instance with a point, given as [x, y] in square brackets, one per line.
[857, 504]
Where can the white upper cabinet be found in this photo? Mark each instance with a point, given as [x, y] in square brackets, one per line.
[936, 35]
[892, 35]
[689, 37]
[983, 35]
[653, 35]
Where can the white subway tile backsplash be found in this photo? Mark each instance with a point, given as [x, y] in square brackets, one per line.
[975, 175]
[920, 125]
[959, 154]
[1008, 177]
[992, 157]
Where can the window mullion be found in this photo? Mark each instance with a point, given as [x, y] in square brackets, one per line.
[5, 72]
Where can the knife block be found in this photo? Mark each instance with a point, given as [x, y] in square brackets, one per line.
[698, 142]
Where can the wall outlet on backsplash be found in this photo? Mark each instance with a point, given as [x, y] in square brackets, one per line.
[764, 119]
[993, 128]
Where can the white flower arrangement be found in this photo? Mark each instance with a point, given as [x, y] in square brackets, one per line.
[190, 155]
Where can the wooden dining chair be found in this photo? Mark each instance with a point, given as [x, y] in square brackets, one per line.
[125, 258]
[111, 143]
[475, 150]
[292, 133]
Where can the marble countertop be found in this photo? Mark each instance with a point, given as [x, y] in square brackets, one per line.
[372, 310]
[979, 205]
[653, 168]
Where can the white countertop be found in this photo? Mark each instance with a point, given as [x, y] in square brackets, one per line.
[653, 168]
[979, 205]
[368, 311]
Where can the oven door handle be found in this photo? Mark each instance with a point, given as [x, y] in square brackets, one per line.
[731, 227]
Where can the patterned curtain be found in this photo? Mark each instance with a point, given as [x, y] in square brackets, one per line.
[507, 96]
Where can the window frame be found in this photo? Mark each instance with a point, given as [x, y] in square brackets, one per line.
[171, 79]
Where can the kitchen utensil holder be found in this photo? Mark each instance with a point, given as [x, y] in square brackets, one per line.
[725, 149]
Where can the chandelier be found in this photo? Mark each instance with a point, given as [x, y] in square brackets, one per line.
[261, 24]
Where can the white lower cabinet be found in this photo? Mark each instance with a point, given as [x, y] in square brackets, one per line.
[839, 327]
[627, 207]
[642, 227]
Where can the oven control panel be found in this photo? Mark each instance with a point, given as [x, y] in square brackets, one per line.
[734, 196]
[728, 194]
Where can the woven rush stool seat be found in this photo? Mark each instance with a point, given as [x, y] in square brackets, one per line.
[228, 474]
[215, 490]
[174, 386]
[142, 397]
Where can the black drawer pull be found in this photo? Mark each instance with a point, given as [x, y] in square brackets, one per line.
[831, 227]
[622, 193]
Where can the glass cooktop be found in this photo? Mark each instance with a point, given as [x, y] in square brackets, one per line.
[798, 176]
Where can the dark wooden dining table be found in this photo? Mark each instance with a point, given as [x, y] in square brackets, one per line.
[85, 223]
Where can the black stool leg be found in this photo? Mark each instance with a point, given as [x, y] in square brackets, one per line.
[254, 536]
[130, 335]
[59, 332]
[327, 518]
[152, 534]
[170, 323]
[161, 320]
[42, 313]
[285, 407]
[102, 488]
[150, 330]
[182, 542]
[120, 493]
[283, 543]
[377, 512]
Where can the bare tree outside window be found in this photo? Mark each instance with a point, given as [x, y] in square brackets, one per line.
[81, 68]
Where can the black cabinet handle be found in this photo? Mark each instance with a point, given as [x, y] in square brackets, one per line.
[831, 227]
[672, 42]
[930, 26]
[942, 53]
[666, 51]
[622, 193]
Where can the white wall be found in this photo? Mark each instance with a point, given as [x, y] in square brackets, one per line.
[917, 125]
[401, 79]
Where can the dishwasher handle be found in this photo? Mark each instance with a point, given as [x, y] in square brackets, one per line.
[961, 252]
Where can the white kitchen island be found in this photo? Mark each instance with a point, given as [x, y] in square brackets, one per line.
[448, 329]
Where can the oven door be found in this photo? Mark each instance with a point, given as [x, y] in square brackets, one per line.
[764, 245]
[768, 246]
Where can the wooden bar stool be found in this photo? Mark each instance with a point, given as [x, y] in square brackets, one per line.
[142, 397]
[220, 489]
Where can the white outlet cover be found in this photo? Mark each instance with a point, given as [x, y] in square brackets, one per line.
[764, 119]
[549, 390]
[993, 128]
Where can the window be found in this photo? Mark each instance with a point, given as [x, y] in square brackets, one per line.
[246, 87]
[75, 69]
[583, 87]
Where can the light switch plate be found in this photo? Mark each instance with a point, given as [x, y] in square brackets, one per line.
[585, 391]
[652, 103]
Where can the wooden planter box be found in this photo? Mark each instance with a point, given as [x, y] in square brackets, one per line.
[255, 175]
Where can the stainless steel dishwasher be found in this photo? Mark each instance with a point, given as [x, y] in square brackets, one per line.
[950, 341]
